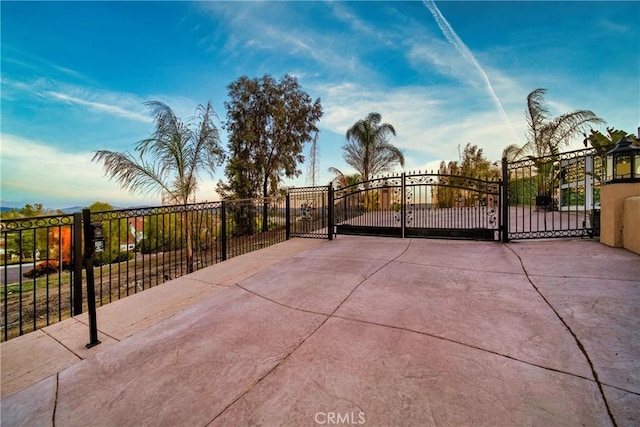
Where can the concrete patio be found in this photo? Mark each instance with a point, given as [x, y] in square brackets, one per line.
[356, 331]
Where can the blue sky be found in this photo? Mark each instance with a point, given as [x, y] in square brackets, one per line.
[75, 76]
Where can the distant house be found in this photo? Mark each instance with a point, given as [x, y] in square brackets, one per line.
[135, 235]
[129, 245]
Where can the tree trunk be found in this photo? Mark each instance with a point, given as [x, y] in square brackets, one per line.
[265, 207]
[190, 263]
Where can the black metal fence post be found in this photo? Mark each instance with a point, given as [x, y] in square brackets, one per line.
[77, 264]
[89, 253]
[223, 230]
[288, 217]
[504, 202]
[404, 204]
[330, 213]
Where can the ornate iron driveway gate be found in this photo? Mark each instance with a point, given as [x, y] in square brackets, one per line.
[553, 196]
[420, 205]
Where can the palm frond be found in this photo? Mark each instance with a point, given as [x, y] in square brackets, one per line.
[132, 174]
[537, 114]
[569, 125]
[204, 151]
[335, 171]
[545, 135]
[512, 152]
[178, 151]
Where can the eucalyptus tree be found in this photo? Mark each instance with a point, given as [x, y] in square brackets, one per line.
[368, 149]
[171, 161]
[269, 122]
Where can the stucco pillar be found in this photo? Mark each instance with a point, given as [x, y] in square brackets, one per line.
[631, 224]
[612, 198]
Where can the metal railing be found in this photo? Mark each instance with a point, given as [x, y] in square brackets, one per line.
[42, 278]
[38, 272]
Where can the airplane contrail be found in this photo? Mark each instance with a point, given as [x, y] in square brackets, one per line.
[456, 42]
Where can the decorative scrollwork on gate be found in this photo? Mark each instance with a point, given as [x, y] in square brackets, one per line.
[391, 181]
[492, 217]
[397, 205]
[410, 203]
[426, 179]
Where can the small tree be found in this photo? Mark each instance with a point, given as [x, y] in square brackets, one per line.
[603, 143]
[170, 161]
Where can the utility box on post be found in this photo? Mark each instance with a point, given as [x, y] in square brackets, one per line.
[97, 236]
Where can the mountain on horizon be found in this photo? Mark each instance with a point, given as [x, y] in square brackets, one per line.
[72, 209]
[8, 206]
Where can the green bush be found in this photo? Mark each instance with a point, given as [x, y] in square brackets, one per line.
[110, 257]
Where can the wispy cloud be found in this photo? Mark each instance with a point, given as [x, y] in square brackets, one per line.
[100, 107]
[429, 120]
[37, 64]
[619, 28]
[34, 171]
[258, 28]
[358, 25]
[113, 103]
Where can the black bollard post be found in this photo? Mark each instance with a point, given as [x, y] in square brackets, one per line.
[89, 253]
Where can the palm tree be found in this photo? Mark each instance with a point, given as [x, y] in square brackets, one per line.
[179, 152]
[545, 137]
[343, 181]
[368, 149]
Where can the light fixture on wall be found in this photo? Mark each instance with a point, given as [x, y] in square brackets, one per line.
[623, 162]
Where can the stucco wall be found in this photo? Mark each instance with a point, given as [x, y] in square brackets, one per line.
[631, 224]
[612, 202]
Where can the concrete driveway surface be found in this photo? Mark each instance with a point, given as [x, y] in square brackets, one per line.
[356, 331]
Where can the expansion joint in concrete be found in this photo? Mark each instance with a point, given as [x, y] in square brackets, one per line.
[575, 337]
[55, 402]
[63, 344]
[99, 331]
[324, 321]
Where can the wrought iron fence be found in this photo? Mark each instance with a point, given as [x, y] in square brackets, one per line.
[39, 268]
[42, 274]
